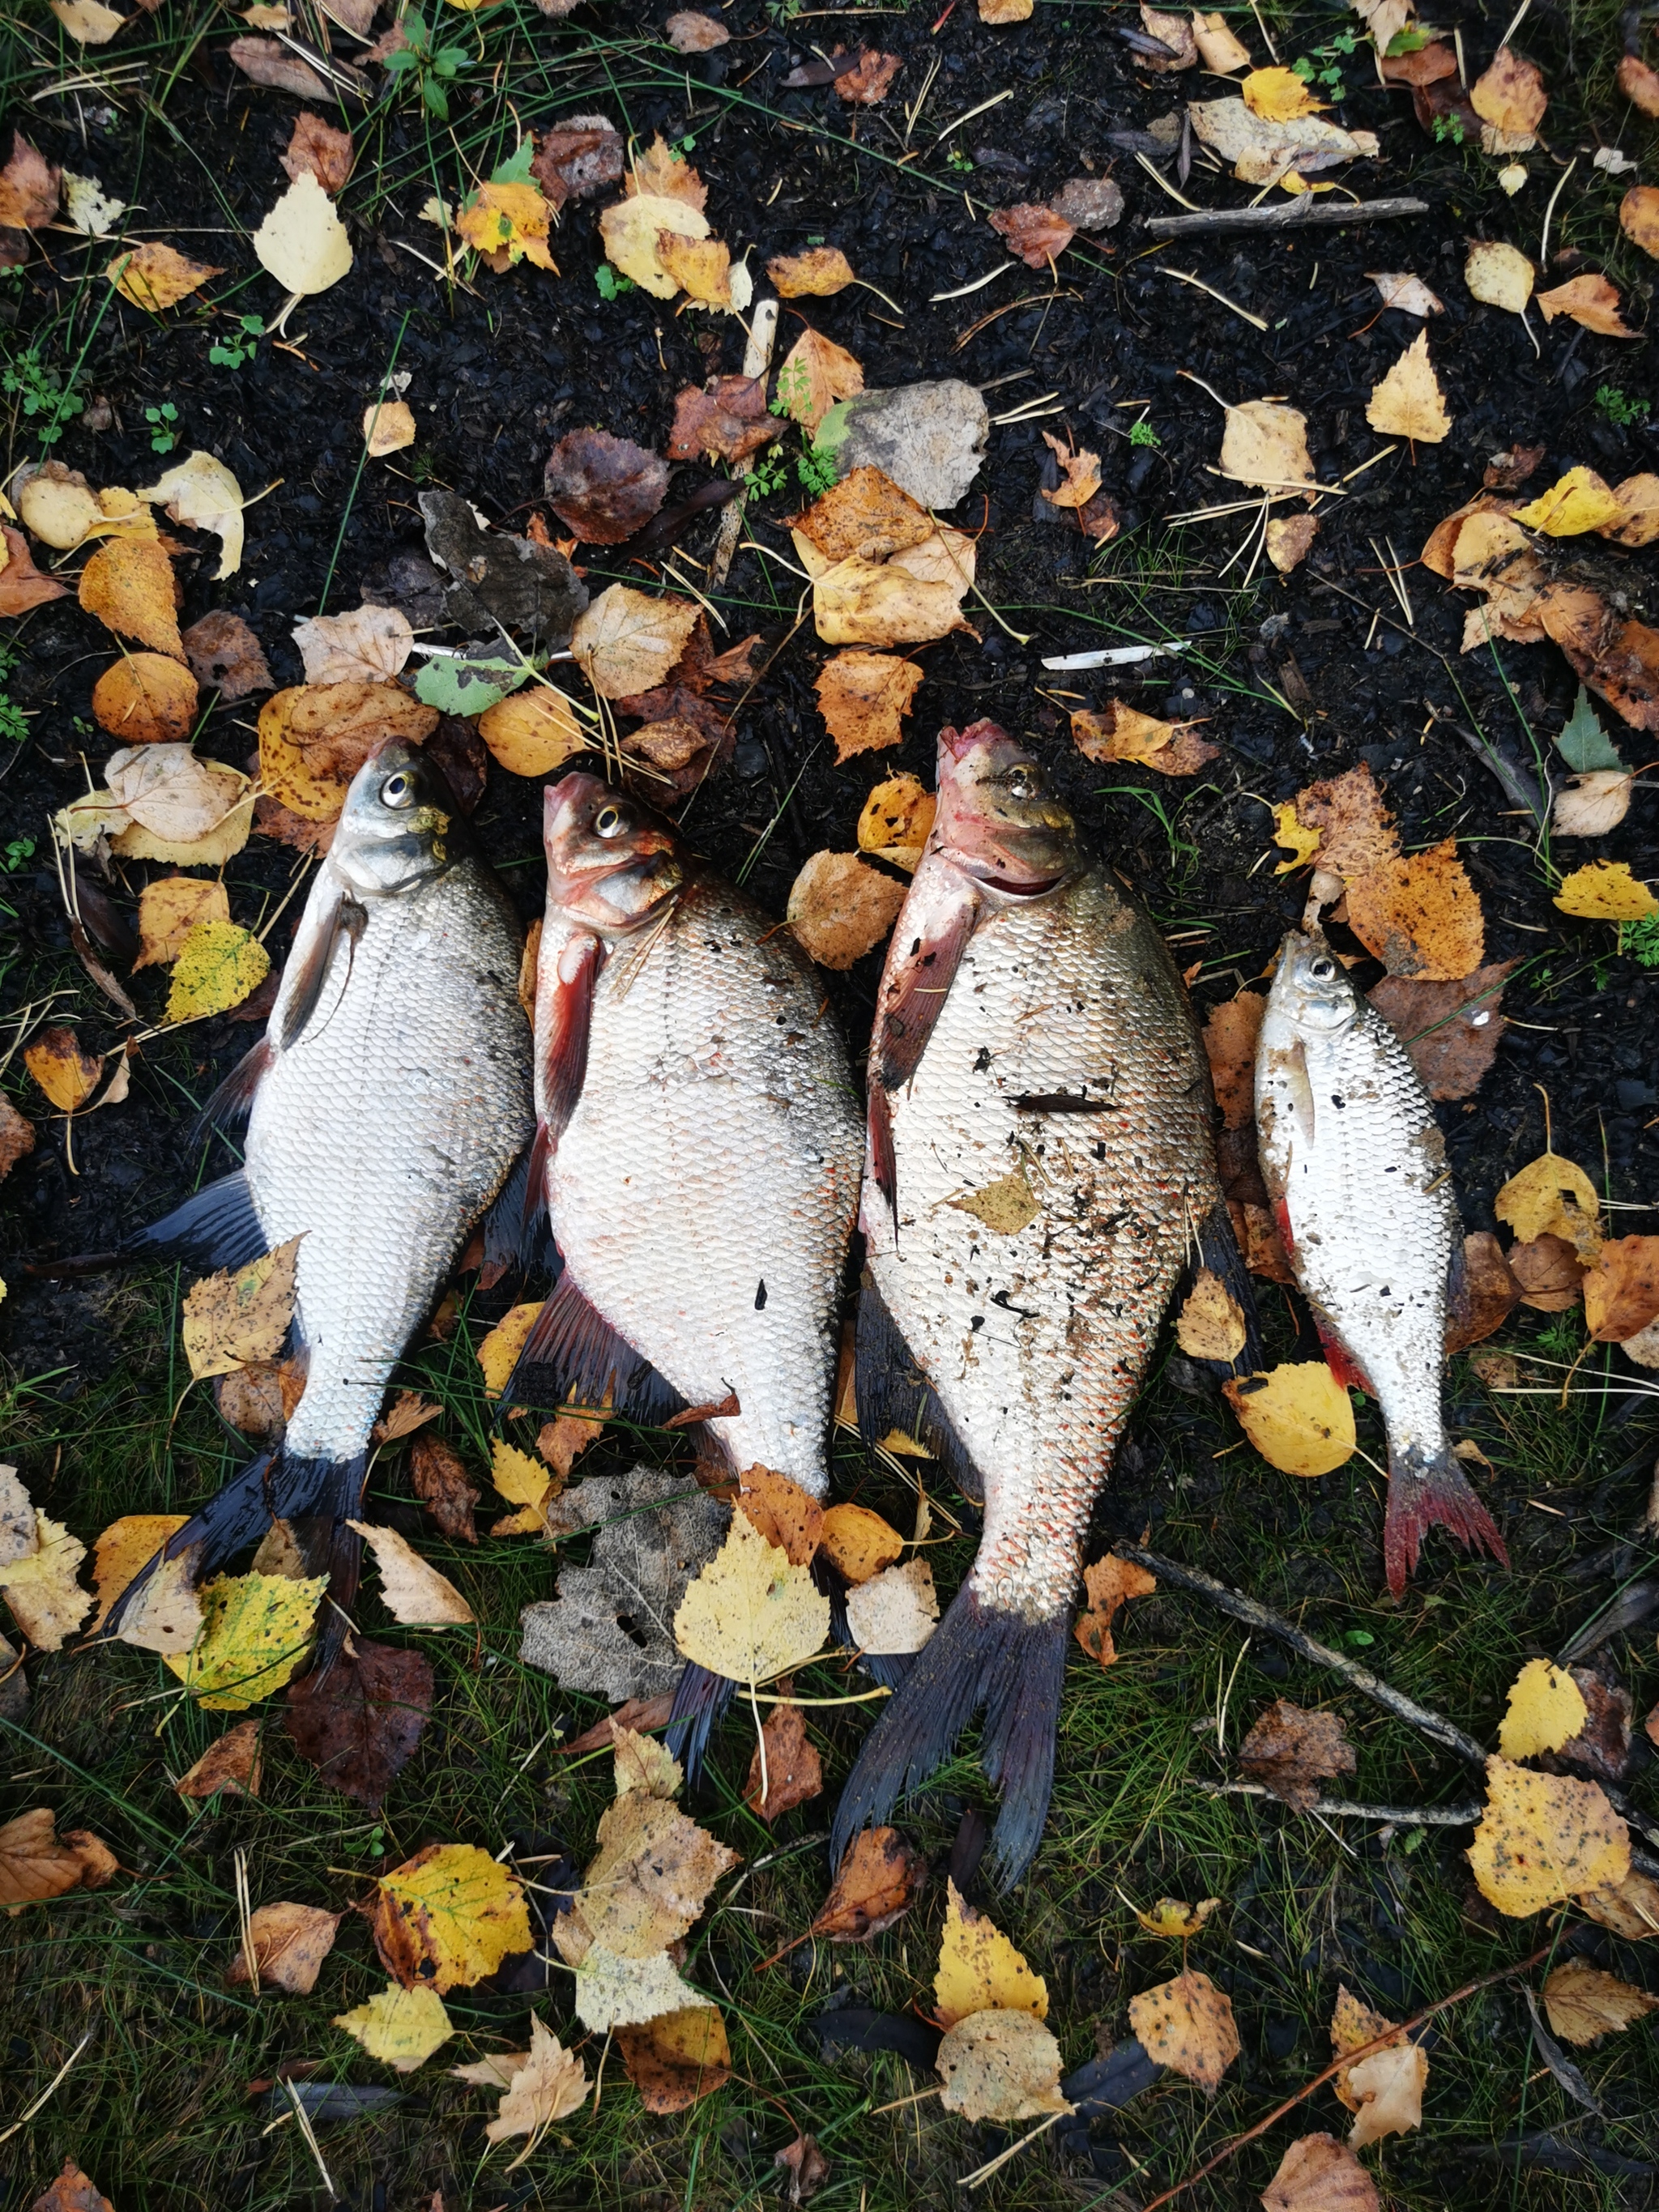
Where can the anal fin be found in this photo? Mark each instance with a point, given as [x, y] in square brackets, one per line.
[573, 1349]
[893, 1393]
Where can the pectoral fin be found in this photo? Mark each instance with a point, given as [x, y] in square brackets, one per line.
[933, 931]
[313, 948]
[565, 1010]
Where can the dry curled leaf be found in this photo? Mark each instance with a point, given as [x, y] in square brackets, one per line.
[867, 82]
[289, 1943]
[880, 1878]
[230, 1765]
[319, 147]
[1110, 1582]
[1293, 1752]
[690, 32]
[728, 420]
[21, 584]
[792, 1772]
[1547, 1272]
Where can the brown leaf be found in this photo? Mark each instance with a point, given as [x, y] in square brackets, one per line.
[603, 487]
[840, 908]
[1420, 915]
[439, 1481]
[1602, 1747]
[129, 585]
[314, 737]
[1111, 1582]
[29, 187]
[561, 1441]
[259, 1398]
[1510, 95]
[807, 2167]
[818, 272]
[880, 1878]
[1549, 1272]
[67, 1075]
[793, 1772]
[867, 83]
[815, 374]
[865, 514]
[578, 160]
[1621, 1290]
[690, 32]
[1508, 472]
[21, 584]
[1639, 83]
[1079, 471]
[319, 150]
[225, 655]
[290, 1942]
[639, 1714]
[1230, 1036]
[35, 1862]
[677, 2059]
[1630, 1908]
[99, 1864]
[1428, 65]
[231, 1764]
[1585, 2003]
[72, 2192]
[1355, 829]
[1484, 1295]
[359, 1722]
[661, 174]
[1318, 2174]
[16, 1136]
[785, 1514]
[1035, 234]
[1293, 1752]
[1290, 540]
[145, 698]
[269, 62]
[728, 420]
[1188, 2024]
[1450, 1030]
[864, 697]
[1589, 300]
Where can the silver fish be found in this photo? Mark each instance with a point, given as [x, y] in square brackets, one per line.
[698, 1144]
[1355, 1164]
[1041, 1164]
[386, 1103]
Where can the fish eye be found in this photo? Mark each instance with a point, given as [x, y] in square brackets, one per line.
[1025, 781]
[397, 790]
[609, 822]
[1322, 970]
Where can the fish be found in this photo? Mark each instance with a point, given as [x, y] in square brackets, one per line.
[1041, 1166]
[386, 1104]
[698, 1151]
[1355, 1167]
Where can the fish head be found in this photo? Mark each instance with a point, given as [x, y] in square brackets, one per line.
[997, 820]
[399, 825]
[611, 862]
[1312, 990]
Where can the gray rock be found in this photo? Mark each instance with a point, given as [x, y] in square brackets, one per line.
[528, 588]
[928, 438]
[609, 1632]
[1088, 203]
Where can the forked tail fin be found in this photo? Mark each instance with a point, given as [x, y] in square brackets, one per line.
[976, 1656]
[1427, 1489]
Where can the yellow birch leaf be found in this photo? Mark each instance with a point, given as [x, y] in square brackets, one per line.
[1546, 1709]
[1298, 1416]
[1606, 890]
[1543, 1838]
[1552, 1196]
[1171, 1916]
[1409, 402]
[168, 910]
[979, 1968]
[241, 1314]
[533, 731]
[1280, 95]
[1585, 2003]
[256, 1636]
[448, 1917]
[1576, 502]
[1188, 2024]
[510, 218]
[859, 1543]
[748, 1614]
[1300, 842]
[498, 1354]
[218, 965]
[154, 276]
[46, 1600]
[400, 2027]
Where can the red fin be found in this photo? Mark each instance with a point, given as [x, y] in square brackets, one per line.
[1427, 1493]
[938, 925]
[564, 1008]
[535, 1185]
[1340, 1361]
[1282, 1224]
[233, 1101]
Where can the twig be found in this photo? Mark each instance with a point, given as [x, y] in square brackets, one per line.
[1399, 1816]
[1257, 1615]
[1290, 216]
[1185, 276]
[757, 359]
[1340, 2064]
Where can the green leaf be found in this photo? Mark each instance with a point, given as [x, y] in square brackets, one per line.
[1584, 743]
[516, 171]
[471, 682]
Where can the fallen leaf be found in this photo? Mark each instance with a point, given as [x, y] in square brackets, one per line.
[1621, 1290]
[358, 1722]
[1230, 1034]
[224, 653]
[146, 698]
[909, 600]
[16, 1137]
[859, 1543]
[806, 2165]
[750, 1614]
[302, 242]
[1591, 300]
[661, 172]
[1606, 890]
[626, 641]
[631, 230]
[690, 32]
[241, 1314]
[400, 2027]
[1638, 217]
[123, 1547]
[1451, 1030]
[1261, 152]
[1384, 2090]
[1552, 1196]
[895, 1611]
[1548, 1273]
[579, 158]
[319, 149]
[867, 82]
[218, 965]
[448, 1917]
[562, 1441]
[1356, 829]
[1498, 276]
[1585, 2003]
[231, 1765]
[1318, 2174]
[1630, 1908]
[370, 645]
[603, 487]
[67, 1075]
[1410, 294]
[979, 1968]
[896, 822]
[506, 219]
[289, 1943]
[1080, 474]
[548, 2084]
[1171, 30]
[73, 2191]
[792, 1772]
[1290, 540]
[677, 2057]
[1033, 233]
[1543, 1838]
[256, 1636]
[154, 276]
[816, 272]
[1000, 2066]
[864, 697]
[1299, 838]
[1220, 48]
[413, 1590]
[840, 908]
[439, 1479]
[880, 1879]
[1187, 2024]
[527, 1483]
[700, 267]
[1110, 1582]
[1211, 1322]
[1420, 915]
[314, 737]
[781, 1512]
[1409, 402]
[388, 427]
[29, 187]
[1293, 1752]
[1580, 501]
[201, 493]
[22, 585]
[1298, 1416]
[130, 586]
[816, 373]
[35, 1862]
[613, 1992]
[269, 62]
[40, 1588]
[1546, 1707]
[727, 420]
[1279, 95]
[1510, 99]
[1180, 1921]
[1005, 11]
[534, 732]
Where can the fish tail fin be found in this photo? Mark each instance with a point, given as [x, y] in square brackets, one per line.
[699, 1702]
[1428, 1489]
[320, 1494]
[975, 1657]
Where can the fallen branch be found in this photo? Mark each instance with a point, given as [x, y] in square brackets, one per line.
[1292, 215]
[1398, 1816]
[1342, 2061]
[1256, 1615]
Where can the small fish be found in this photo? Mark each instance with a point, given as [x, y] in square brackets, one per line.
[698, 1147]
[1356, 1167]
[386, 1104]
[1041, 1165]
